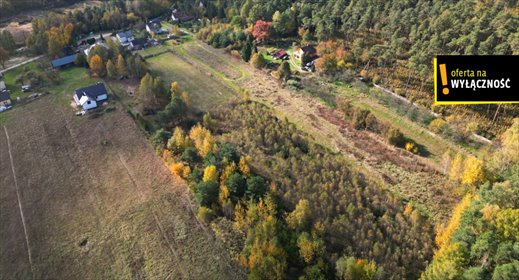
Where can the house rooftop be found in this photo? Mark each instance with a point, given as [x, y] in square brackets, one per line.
[279, 54]
[139, 41]
[309, 49]
[181, 15]
[126, 34]
[91, 91]
[4, 95]
[64, 61]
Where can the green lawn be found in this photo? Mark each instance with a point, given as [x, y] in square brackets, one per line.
[153, 51]
[71, 79]
[10, 78]
[205, 91]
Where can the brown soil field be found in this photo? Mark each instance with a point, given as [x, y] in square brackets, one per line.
[87, 198]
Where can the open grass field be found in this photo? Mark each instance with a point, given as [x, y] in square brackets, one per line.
[204, 88]
[87, 198]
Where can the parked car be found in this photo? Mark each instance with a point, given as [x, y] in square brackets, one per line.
[26, 88]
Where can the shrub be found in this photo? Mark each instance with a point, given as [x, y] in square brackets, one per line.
[376, 79]
[205, 214]
[177, 168]
[359, 118]
[236, 185]
[437, 126]
[256, 187]
[395, 137]
[206, 193]
[411, 148]
[190, 155]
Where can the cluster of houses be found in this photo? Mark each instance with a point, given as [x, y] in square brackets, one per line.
[89, 97]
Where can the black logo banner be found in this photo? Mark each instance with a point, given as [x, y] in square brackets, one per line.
[476, 79]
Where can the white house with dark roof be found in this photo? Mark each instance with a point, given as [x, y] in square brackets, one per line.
[88, 97]
[125, 38]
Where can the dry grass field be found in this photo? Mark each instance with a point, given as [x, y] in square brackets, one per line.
[205, 90]
[96, 202]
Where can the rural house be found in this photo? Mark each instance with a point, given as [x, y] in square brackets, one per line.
[139, 43]
[125, 38]
[180, 16]
[305, 52]
[88, 97]
[64, 62]
[2, 83]
[5, 99]
[154, 27]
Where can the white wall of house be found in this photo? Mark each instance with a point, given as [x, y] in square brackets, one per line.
[90, 104]
[101, 97]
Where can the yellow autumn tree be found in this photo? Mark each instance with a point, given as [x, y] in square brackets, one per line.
[210, 174]
[244, 166]
[177, 168]
[166, 155]
[240, 216]
[207, 146]
[444, 235]
[224, 194]
[310, 248]
[228, 171]
[202, 138]
[97, 66]
[178, 141]
[456, 167]
[186, 171]
[474, 172]
[299, 218]
[175, 89]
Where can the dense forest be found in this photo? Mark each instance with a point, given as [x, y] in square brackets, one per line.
[392, 41]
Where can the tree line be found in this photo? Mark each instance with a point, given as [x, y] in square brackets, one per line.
[481, 239]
